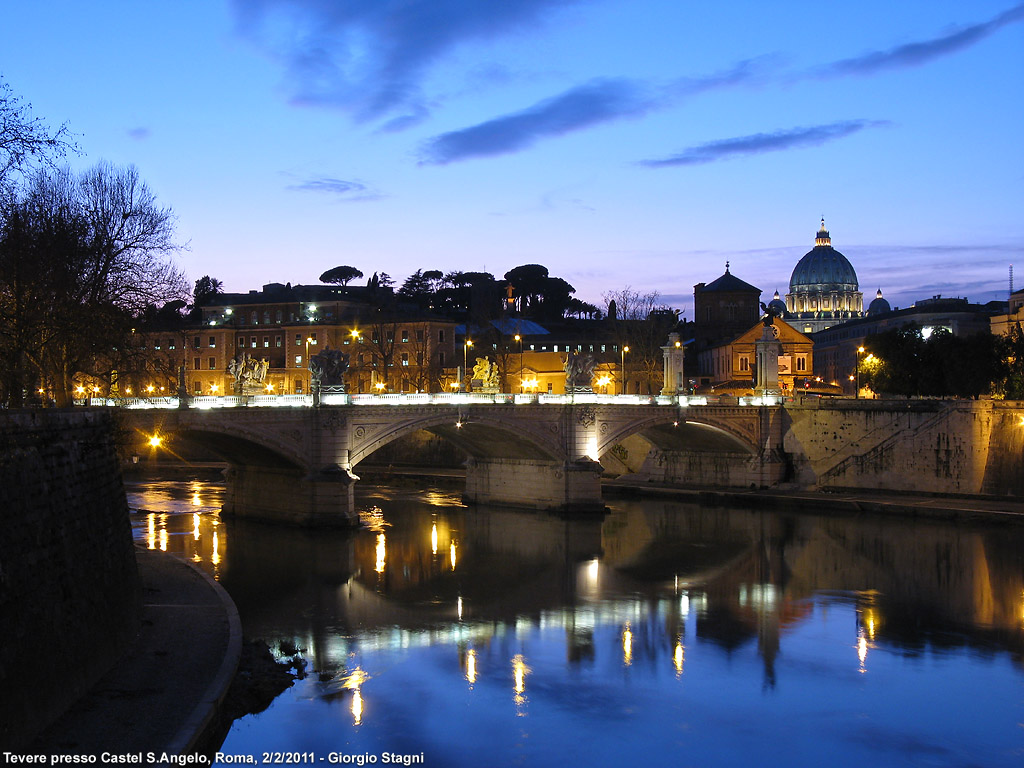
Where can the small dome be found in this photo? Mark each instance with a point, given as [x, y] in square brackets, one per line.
[878, 305]
[778, 305]
[823, 269]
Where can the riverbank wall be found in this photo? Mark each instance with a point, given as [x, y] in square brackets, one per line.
[70, 593]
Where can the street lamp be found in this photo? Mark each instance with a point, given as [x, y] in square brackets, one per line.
[520, 340]
[623, 369]
[465, 357]
[309, 340]
[856, 394]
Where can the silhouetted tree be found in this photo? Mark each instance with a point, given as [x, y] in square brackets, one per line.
[341, 275]
[26, 141]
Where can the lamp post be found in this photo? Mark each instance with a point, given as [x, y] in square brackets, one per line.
[520, 340]
[622, 389]
[465, 358]
[309, 340]
[856, 394]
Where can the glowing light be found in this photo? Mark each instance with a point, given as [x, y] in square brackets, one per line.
[470, 665]
[155, 441]
[357, 707]
[519, 673]
[593, 569]
[195, 526]
[150, 389]
[195, 499]
[684, 605]
[862, 651]
[213, 389]
[270, 389]
[163, 539]
[433, 538]
[627, 646]
[604, 380]
[458, 425]
[453, 384]
[458, 607]
[380, 385]
[382, 553]
[592, 448]
[151, 538]
[451, 553]
[677, 658]
[79, 390]
[216, 550]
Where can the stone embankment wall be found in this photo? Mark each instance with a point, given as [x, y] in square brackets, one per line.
[69, 587]
[930, 446]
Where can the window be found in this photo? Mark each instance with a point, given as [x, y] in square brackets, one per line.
[391, 337]
[196, 363]
[240, 342]
[171, 344]
[298, 339]
[213, 363]
[298, 386]
[254, 317]
[266, 342]
[156, 345]
[197, 387]
[405, 358]
[213, 342]
[405, 336]
[277, 340]
[312, 337]
[279, 315]
[440, 336]
[744, 363]
[266, 317]
[298, 360]
[252, 342]
[195, 342]
[801, 363]
[440, 359]
[419, 335]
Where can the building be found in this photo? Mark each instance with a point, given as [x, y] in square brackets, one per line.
[723, 309]
[823, 288]
[391, 348]
[732, 364]
[1001, 324]
[837, 348]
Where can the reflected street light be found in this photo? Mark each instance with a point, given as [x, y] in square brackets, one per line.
[520, 340]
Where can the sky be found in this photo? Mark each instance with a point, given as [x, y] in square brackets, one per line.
[620, 143]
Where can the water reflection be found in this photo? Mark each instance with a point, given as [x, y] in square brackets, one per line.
[662, 624]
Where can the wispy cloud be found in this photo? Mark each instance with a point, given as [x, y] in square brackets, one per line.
[341, 188]
[139, 134]
[369, 56]
[758, 143]
[922, 51]
[598, 101]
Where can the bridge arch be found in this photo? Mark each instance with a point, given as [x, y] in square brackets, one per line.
[675, 432]
[480, 433]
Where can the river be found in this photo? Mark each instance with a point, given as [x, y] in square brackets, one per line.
[662, 634]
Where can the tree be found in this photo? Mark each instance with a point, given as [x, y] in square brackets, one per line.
[82, 256]
[205, 290]
[342, 275]
[26, 140]
[641, 322]
[1010, 375]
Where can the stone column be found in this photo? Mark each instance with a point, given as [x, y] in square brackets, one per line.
[768, 350]
[673, 366]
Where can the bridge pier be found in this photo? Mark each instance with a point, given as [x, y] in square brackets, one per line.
[284, 495]
[570, 486]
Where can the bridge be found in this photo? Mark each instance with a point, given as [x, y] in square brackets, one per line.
[292, 461]
[295, 460]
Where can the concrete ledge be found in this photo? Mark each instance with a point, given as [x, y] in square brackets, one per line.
[164, 694]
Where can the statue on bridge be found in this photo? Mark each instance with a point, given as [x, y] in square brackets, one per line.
[579, 372]
[248, 373]
[486, 373]
[328, 368]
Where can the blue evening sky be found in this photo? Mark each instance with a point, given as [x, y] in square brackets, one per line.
[620, 143]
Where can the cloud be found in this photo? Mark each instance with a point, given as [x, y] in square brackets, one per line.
[921, 52]
[369, 56]
[346, 190]
[139, 134]
[598, 101]
[758, 143]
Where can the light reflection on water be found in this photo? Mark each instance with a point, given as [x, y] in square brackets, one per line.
[679, 634]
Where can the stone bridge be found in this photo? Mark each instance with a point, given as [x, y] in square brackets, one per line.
[301, 464]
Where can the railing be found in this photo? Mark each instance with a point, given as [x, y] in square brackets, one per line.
[205, 402]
